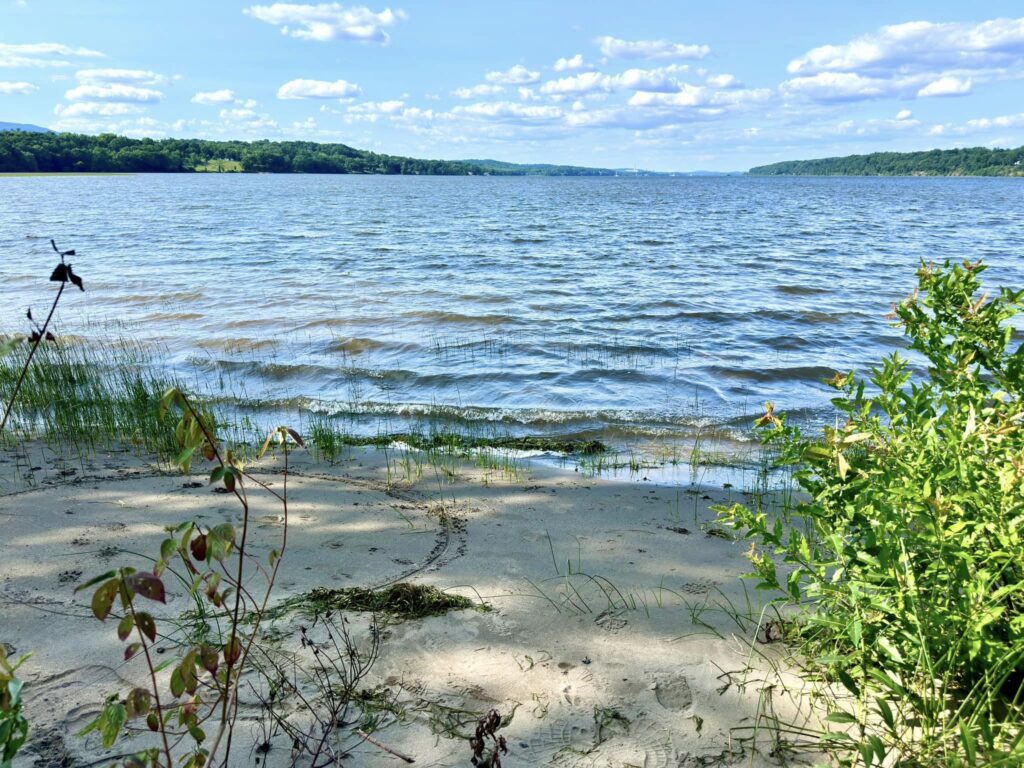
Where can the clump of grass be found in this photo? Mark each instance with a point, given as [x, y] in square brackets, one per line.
[82, 396]
[399, 602]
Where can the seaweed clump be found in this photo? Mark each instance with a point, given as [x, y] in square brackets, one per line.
[399, 602]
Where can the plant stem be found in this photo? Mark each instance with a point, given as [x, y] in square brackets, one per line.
[35, 345]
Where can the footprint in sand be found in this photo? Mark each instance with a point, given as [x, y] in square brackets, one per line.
[673, 693]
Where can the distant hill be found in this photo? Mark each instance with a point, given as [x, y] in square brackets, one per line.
[539, 169]
[974, 161]
[26, 127]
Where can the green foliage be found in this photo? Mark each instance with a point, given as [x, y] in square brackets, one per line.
[907, 556]
[974, 161]
[13, 725]
[107, 153]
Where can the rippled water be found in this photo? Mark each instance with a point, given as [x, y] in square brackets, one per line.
[609, 306]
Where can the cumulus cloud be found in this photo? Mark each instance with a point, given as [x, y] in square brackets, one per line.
[95, 109]
[223, 96]
[904, 114]
[17, 89]
[318, 89]
[979, 125]
[125, 76]
[509, 110]
[920, 46]
[327, 22]
[614, 48]
[114, 92]
[571, 64]
[657, 79]
[723, 81]
[517, 75]
[840, 86]
[946, 86]
[42, 54]
[476, 91]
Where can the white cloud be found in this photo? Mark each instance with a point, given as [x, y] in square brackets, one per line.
[904, 114]
[509, 110]
[318, 89]
[946, 86]
[17, 89]
[476, 91]
[95, 109]
[527, 94]
[247, 119]
[921, 46]
[571, 64]
[125, 76]
[372, 111]
[723, 81]
[378, 107]
[223, 96]
[327, 22]
[114, 92]
[979, 125]
[840, 86]
[658, 79]
[42, 54]
[614, 48]
[517, 75]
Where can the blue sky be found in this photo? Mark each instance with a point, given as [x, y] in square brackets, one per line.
[663, 85]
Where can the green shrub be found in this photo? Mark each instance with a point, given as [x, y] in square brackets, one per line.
[906, 553]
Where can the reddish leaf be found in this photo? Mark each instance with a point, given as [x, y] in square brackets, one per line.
[198, 547]
[296, 437]
[131, 650]
[153, 722]
[147, 585]
[147, 625]
[210, 658]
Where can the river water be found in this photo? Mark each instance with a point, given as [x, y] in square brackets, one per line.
[620, 308]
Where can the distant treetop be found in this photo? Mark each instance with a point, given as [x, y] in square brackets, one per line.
[974, 161]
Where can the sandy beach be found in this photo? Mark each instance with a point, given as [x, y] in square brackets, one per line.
[608, 640]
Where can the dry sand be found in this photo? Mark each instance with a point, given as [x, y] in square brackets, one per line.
[592, 680]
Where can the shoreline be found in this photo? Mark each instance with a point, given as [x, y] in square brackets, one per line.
[554, 649]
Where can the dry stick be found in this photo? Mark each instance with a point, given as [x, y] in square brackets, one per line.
[385, 747]
[35, 345]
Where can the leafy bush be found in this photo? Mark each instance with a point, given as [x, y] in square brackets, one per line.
[906, 556]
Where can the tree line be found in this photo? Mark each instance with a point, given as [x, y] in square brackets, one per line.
[973, 161]
[107, 153]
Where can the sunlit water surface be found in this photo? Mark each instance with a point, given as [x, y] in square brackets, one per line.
[625, 309]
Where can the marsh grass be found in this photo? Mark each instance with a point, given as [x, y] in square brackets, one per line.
[80, 397]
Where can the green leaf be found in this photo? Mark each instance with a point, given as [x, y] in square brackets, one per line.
[103, 599]
[841, 717]
[124, 627]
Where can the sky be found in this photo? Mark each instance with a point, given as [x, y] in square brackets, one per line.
[663, 85]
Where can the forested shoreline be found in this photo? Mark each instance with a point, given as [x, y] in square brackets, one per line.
[24, 152]
[972, 161]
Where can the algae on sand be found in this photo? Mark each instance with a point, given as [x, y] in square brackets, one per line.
[397, 602]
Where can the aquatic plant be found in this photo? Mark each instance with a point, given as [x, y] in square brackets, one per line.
[906, 554]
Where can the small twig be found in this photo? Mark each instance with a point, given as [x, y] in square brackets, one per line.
[385, 747]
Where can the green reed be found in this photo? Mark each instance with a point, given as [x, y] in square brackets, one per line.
[84, 396]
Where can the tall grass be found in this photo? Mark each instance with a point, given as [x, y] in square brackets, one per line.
[83, 396]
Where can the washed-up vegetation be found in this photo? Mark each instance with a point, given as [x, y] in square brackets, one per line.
[397, 602]
[906, 556]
